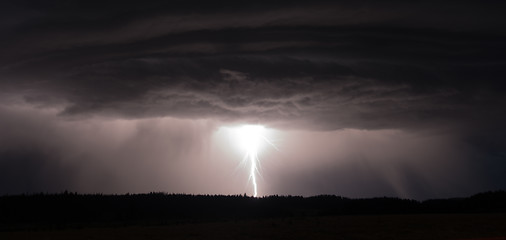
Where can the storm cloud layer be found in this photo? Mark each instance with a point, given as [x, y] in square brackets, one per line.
[422, 68]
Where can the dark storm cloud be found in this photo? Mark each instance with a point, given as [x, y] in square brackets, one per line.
[336, 65]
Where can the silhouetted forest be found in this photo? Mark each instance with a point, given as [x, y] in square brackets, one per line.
[56, 211]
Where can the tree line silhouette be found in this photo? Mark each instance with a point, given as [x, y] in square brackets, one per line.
[54, 211]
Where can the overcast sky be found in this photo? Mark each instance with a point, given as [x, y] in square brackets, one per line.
[361, 98]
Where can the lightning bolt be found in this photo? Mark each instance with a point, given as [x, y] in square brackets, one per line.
[253, 158]
[251, 137]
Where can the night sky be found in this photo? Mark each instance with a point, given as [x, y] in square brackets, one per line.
[361, 98]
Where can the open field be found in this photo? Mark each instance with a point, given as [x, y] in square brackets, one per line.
[422, 226]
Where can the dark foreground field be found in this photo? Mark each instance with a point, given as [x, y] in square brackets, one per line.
[180, 216]
[420, 226]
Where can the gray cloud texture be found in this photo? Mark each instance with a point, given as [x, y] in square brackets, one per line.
[417, 67]
[336, 65]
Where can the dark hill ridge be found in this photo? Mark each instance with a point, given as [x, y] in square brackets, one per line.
[54, 211]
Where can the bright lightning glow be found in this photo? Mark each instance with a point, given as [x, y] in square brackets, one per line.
[250, 136]
[250, 139]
